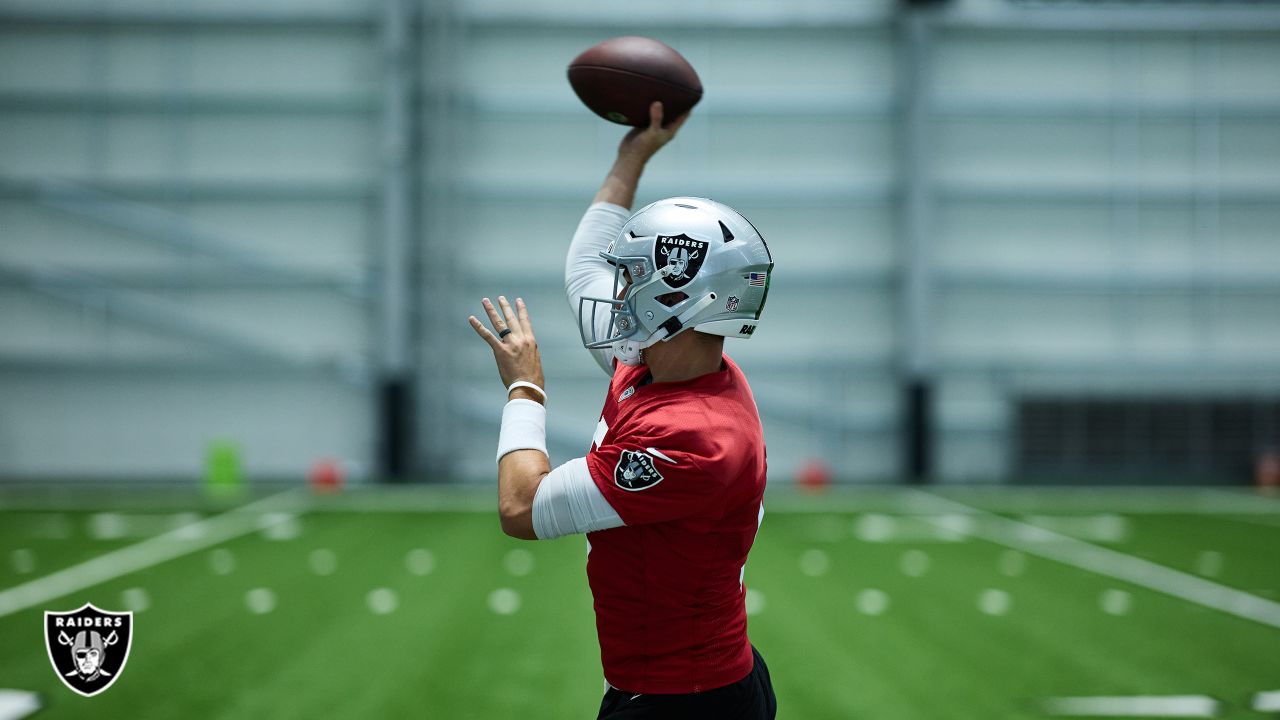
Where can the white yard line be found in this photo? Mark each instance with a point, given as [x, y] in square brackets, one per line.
[152, 551]
[1111, 563]
[1267, 701]
[1164, 706]
[18, 704]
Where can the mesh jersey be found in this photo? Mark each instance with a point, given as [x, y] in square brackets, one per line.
[683, 464]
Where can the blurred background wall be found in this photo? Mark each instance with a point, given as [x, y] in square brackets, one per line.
[1015, 242]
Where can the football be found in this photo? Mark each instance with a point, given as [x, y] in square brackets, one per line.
[619, 78]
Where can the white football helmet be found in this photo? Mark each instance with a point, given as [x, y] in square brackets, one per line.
[685, 263]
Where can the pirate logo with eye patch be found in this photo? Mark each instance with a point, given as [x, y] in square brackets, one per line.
[88, 647]
[682, 255]
[635, 471]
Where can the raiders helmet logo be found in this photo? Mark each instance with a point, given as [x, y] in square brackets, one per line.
[635, 471]
[682, 254]
[88, 647]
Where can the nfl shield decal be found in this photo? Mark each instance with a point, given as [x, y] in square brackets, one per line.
[682, 254]
[88, 647]
[635, 471]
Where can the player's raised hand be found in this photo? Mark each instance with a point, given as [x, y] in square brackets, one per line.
[642, 142]
[619, 187]
[514, 347]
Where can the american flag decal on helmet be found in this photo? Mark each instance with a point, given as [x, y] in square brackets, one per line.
[756, 279]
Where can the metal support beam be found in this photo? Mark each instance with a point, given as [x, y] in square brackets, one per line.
[440, 434]
[915, 208]
[395, 362]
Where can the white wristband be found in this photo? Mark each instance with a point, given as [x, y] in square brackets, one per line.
[527, 384]
[524, 427]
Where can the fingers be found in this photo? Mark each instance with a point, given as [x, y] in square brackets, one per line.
[483, 332]
[494, 318]
[655, 115]
[524, 316]
[509, 316]
[515, 319]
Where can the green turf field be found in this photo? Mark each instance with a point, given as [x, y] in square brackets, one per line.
[870, 604]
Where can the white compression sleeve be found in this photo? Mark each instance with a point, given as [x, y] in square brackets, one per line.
[524, 427]
[588, 274]
[568, 501]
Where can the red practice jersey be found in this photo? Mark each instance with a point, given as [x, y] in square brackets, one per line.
[683, 465]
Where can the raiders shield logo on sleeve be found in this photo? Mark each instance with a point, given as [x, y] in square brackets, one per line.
[88, 647]
[635, 471]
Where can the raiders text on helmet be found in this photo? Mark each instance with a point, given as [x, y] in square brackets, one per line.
[685, 263]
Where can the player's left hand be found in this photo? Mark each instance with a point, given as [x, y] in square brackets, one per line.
[516, 352]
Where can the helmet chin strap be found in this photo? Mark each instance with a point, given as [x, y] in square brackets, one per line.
[628, 351]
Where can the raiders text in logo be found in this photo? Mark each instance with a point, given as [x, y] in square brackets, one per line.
[88, 647]
[682, 254]
[635, 471]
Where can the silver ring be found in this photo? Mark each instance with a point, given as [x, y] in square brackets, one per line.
[504, 333]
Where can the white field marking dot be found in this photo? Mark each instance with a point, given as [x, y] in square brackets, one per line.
[279, 526]
[954, 527]
[1111, 528]
[1209, 563]
[222, 562]
[872, 602]
[323, 561]
[108, 526]
[994, 602]
[754, 601]
[260, 601]
[504, 601]
[24, 561]
[1012, 563]
[518, 562]
[135, 599]
[1115, 602]
[914, 563]
[874, 527]
[814, 562]
[420, 561]
[382, 601]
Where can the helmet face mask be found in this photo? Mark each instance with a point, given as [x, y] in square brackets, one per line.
[679, 263]
[631, 275]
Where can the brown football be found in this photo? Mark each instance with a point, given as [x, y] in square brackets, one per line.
[620, 77]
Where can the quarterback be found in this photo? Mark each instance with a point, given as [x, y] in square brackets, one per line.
[670, 491]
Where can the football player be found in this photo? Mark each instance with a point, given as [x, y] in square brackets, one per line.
[670, 492]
